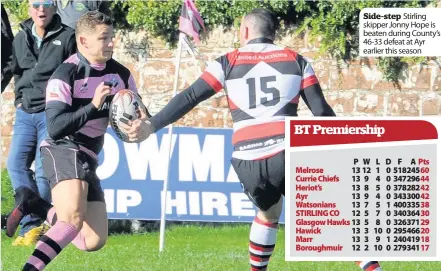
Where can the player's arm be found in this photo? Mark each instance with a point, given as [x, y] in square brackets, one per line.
[207, 85]
[210, 82]
[182, 103]
[312, 93]
[62, 119]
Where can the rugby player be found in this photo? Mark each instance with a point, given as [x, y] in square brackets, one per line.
[264, 83]
[78, 96]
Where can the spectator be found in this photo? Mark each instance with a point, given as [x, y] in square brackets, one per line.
[71, 10]
[42, 44]
[7, 38]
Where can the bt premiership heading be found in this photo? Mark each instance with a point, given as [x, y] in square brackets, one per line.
[346, 130]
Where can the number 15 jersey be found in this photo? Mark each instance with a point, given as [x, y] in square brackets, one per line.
[263, 83]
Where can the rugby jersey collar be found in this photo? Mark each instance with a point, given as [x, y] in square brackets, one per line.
[99, 67]
[261, 40]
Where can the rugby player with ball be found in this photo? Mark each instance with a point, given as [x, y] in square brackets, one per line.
[84, 93]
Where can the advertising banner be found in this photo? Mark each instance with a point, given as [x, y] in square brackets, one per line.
[203, 185]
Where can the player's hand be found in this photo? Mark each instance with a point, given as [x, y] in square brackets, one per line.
[142, 114]
[137, 130]
[101, 92]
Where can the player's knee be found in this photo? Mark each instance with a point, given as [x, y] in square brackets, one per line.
[95, 243]
[267, 217]
[75, 218]
[272, 215]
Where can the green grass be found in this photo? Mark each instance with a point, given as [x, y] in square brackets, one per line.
[7, 196]
[192, 248]
[187, 248]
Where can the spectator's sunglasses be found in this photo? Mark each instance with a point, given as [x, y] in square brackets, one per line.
[45, 4]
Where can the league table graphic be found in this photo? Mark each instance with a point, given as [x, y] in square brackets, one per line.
[362, 189]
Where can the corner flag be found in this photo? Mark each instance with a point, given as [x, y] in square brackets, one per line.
[191, 24]
[190, 21]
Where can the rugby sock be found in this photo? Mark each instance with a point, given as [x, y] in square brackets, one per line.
[50, 245]
[263, 237]
[370, 266]
[79, 241]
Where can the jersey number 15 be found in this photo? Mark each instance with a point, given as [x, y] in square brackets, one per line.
[265, 101]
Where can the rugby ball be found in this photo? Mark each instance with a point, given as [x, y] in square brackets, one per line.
[126, 104]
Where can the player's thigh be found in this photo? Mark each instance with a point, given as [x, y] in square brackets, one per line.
[276, 171]
[69, 198]
[67, 179]
[256, 183]
[275, 167]
[95, 226]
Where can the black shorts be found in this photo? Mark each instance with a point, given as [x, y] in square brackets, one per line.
[61, 163]
[263, 181]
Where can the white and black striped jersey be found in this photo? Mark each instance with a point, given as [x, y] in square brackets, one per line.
[263, 83]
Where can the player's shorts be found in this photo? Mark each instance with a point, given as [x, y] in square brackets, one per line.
[263, 181]
[63, 163]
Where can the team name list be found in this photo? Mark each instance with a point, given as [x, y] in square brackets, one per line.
[312, 215]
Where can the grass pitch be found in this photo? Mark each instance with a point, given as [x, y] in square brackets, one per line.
[204, 248]
[189, 247]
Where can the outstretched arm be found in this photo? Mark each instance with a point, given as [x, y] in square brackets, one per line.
[210, 82]
[182, 103]
[139, 130]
